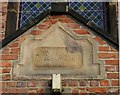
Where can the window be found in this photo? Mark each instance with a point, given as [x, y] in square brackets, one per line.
[92, 11]
[95, 12]
[30, 10]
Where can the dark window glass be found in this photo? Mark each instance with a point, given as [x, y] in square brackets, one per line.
[93, 11]
[30, 10]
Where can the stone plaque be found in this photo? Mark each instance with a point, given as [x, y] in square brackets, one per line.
[59, 51]
[57, 57]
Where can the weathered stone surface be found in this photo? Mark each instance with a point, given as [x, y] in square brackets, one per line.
[59, 50]
[56, 57]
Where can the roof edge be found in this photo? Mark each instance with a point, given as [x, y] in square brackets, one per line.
[22, 30]
[98, 31]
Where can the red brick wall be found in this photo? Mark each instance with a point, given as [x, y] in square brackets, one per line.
[3, 13]
[105, 52]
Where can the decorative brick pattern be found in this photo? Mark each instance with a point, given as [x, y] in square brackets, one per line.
[64, 83]
[94, 83]
[100, 41]
[5, 64]
[72, 83]
[43, 26]
[115, 82]
[32, 84]
[106, 53]
[10, 84]
[104, 83]
[6, 70]
[103, 48]
[21, 84]
[73, 26]
[112, 62]
[83, 83]
[15, 44]
[81, 32]
[36, 32]
[97, 90]
[110, 68]
[112, 75]
[6, 77]
[75, 92]
[9, 57]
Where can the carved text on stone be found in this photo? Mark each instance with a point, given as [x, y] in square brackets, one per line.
[57, 57]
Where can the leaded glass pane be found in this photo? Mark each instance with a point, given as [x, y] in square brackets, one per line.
[93, 11]
[30, 10]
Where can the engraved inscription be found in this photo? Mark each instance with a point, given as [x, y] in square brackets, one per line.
[57, 57]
